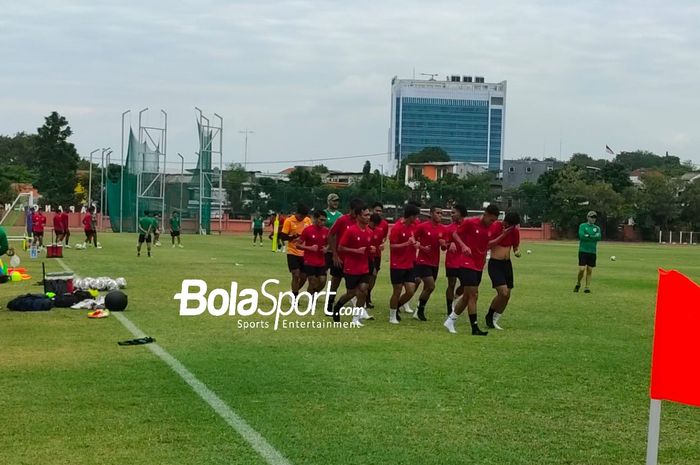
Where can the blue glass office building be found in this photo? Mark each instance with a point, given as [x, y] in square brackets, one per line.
[464, 116]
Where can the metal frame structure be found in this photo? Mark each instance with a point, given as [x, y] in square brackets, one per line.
[215, 146]
[121, 177]
[157, 136]
[8, 212]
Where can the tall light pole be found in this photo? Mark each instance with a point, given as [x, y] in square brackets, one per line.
[381, 184]
[121, 177]
[245, 153]
[182, 173]
[90, 179]
[106, 151]
[109, 162]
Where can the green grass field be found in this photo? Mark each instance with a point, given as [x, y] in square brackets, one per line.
[565, 383]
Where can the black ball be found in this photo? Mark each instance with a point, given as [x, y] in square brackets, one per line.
[116, 301]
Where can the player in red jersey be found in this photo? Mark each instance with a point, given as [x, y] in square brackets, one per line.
[380, 229]
[88, 227]
[336, 263]
[314, 242]
[58, 228]
[407, 306]
[472, 237]
[38, 222]
[430, 236]
[402, 261]
[506, 236]
[66, 228]
[453, 257]
[355, 245]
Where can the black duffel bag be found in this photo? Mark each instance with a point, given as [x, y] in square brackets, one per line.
[30, 303]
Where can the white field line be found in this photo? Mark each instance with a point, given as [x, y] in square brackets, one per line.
[252, 437]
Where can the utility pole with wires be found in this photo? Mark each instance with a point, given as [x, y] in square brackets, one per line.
[245, 152]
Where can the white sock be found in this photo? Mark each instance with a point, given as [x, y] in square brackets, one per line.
[392, 314]
[497, 316]
[453, 316]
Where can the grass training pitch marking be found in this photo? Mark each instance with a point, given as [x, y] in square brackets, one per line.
[255, 439]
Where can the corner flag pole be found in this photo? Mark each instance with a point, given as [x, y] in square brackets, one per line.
[654, 428]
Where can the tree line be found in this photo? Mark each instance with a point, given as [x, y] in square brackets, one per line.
[48, 161]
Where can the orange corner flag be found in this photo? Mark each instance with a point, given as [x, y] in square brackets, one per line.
[676, 354]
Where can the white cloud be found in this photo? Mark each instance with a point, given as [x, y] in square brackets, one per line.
[312, 77]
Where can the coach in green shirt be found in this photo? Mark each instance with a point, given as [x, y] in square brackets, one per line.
[332, 212]
[589, 234]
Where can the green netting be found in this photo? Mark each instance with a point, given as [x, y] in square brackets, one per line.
[200, 185]
[121, 190]
[141, 169]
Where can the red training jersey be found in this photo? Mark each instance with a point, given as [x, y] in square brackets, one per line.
[378, 235]
[452, 259]
[429, 234]
[314, 235]
[475, 235]
[57, 222]
[356, 237]
[87, 222]
[340, 226]
[402, 258]
[64, 220]
[512, 239]
[38, 222]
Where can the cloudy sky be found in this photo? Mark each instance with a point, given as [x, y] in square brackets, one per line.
[312, 79]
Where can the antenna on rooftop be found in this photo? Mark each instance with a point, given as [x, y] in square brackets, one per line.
[432, 75]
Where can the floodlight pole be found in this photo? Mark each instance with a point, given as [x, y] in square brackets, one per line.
[121, 179]
[221, 171]
[138, 175]
[90, 179]
[165, 161]
[109, 161]
[182, 174]
[102, 185]
[381, 184]
[245, 152]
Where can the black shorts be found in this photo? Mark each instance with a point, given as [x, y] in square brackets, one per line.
[425, 271]
[59, 232]
[586, 259]
[501, 273]
[39, 234]
[174, 233]
[400, 276]
[452, 272]
[257, 232]
[354, 280]
[336, 271]
[142, 237]
[295, 262]
[370, 263]
[469, 277]
[314, 270]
